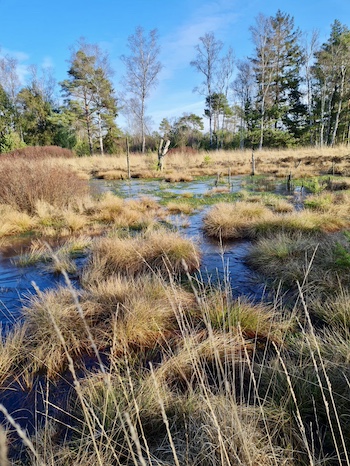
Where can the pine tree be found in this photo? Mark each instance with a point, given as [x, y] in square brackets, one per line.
[277, 61]
[89, 92]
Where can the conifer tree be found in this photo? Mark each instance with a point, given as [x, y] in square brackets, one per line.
[89, 92]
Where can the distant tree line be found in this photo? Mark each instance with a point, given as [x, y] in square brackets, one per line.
[291, 91]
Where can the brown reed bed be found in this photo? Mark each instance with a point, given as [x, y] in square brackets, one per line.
[301, 162]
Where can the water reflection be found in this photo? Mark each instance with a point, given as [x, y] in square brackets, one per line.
[219, 261]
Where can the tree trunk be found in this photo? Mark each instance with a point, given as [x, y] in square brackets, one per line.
[143, 147]
[100, 133]
[336, 124]
[323, 103]
[128, 158]
[261, 132]
[162, 151]
[88, 126]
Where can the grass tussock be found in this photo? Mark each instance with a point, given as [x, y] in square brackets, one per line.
[245, 219]
[134, 214]
[180, 208]
[164, 251]
[290, 257]
[257, 322]
[43, 315]
[111, 175]
[233, 220]
[14, 222]
[178, 178]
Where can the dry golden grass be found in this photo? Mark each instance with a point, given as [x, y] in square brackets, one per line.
[287, 257]
[111, 175]
[156, 250]
[14, 222]
[11, 345]
[43, 347]
[278, 204]
[180, 207]
[300, 161]
[252, 321]
[178, 177]
[226, 220]
[302, 221]
[218, 190]
[74, 221]
[245, 219]
[136, 214]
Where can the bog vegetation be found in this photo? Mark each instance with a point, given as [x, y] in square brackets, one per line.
[135, 358]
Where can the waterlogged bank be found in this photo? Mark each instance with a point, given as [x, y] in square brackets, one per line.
[171, 361]
[218, 261]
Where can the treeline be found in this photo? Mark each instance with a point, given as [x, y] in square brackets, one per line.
[291, 91]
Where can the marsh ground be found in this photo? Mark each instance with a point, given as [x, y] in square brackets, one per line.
[149, 350]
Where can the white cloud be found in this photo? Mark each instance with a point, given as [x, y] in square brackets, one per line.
[21, 58]
[47, 62]
[178, 47]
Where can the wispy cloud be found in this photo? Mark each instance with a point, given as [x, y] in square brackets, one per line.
[47, 63]
[178, 47]
[21, 59]
[177, 110]
[177, 52]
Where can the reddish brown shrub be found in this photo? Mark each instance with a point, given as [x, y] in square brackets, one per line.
[24, 182]
[39, 152]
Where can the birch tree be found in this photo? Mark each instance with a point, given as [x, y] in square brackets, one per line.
[205, 62]
[264, 66]
[142, 70]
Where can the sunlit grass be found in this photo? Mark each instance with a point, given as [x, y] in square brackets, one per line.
[233, 220]
[160, 250]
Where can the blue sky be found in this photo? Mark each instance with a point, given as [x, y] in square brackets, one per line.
[41, 32]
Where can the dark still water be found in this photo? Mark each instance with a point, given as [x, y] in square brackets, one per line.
[220, 262]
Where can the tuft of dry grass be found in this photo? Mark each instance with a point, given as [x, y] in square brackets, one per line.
[43, 348]
[157, 250]
[180, 207]
[254, 321]
[226, 220]
[135, 214]
[111, 175]
[14, 222]
[178, 178]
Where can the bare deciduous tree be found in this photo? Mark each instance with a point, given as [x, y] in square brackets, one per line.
[208, 52]
[264, 64]
[142, 69]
